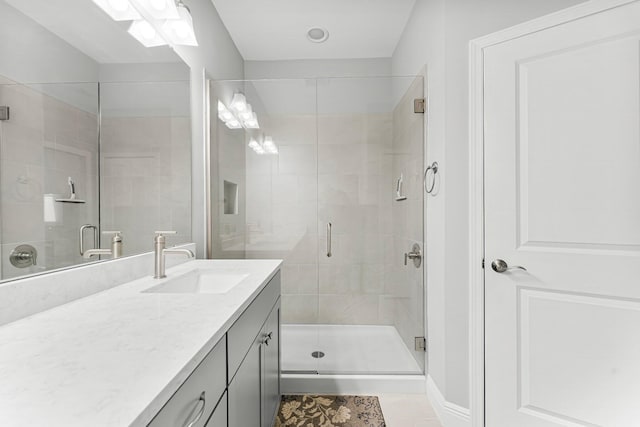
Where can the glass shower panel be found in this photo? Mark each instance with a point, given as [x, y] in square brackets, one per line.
[370, 206]
[49, 166]
[276, 198]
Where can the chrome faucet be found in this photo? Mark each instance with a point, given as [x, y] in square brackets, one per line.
[159, 244]
[116, 244]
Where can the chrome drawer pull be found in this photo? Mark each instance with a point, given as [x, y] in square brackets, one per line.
[200, 412]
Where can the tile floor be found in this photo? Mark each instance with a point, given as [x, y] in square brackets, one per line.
[408, 410]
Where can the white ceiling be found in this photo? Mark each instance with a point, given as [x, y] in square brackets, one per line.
[276, 29]
[85, 26]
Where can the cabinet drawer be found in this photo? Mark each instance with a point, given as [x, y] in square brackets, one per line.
[244, 331]
[209, 377]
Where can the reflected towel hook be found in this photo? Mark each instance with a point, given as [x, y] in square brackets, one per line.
[433, 167]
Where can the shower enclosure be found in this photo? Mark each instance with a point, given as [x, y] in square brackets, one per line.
[330, 182]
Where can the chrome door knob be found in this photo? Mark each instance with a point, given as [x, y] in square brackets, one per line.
[501, 266]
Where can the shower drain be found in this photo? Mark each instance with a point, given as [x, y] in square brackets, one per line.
[317, 354]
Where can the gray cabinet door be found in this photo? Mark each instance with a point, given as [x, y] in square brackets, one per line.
[219, 416]
[271, 367]
[244, 390]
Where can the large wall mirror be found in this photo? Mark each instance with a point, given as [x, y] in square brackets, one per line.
[95, 137]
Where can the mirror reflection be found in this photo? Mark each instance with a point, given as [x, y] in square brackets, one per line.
[95, 138]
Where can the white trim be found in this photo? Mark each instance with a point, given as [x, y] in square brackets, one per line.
[476, 182]
[450, 414]
[476, 234]
[352, 384]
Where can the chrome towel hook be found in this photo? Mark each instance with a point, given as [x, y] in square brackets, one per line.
[434, 168]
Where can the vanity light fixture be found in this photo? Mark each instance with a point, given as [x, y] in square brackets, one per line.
[269, 146]
[251, 122]
[234, 124]
[238, 102]
[159, 9]
[180, 31]
[155, 22]
[118, 10]
[223, 113]
[146, 34]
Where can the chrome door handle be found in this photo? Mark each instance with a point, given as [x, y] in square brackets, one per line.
[501, 266]
[328, 240]
[200, 412]
[268, 337]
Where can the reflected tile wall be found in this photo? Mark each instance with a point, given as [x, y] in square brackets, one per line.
[146, 179]
[45, 142]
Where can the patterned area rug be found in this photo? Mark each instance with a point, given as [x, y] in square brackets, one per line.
[330, 411]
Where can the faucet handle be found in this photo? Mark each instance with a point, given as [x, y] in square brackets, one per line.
[160, 233]
[112, 232]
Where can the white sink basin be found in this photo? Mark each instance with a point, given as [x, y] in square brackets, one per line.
[200, 281]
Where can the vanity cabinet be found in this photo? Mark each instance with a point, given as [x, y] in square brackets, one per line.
[219, 416]
[238, 382]
[198, 396]
[254, 365]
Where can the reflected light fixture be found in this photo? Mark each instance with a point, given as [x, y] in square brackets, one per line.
[118, 10]
[146, 34]
[239, 114]
[158, 9]
[251, 122]
[180, 31]
[267, 146]
[238, 102]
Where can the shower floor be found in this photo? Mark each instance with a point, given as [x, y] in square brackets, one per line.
[348, 349]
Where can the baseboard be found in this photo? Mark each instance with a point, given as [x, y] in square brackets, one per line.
[450, 414]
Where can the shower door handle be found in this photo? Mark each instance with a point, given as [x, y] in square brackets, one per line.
[328, 240]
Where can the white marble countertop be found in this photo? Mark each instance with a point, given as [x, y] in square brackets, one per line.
[116, 357]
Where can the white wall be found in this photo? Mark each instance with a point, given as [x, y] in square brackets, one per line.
[32, 54]
[314, 68]
[437, 35]
[217, 58]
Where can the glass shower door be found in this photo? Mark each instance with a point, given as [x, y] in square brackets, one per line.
[370, 210]
[276, 213]
[325, 203]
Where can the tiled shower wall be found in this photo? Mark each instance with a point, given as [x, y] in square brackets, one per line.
[344, 179]
[45, 142]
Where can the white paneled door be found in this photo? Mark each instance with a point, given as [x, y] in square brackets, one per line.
[562, 200]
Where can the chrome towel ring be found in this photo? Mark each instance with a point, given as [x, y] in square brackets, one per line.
[434, 168]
